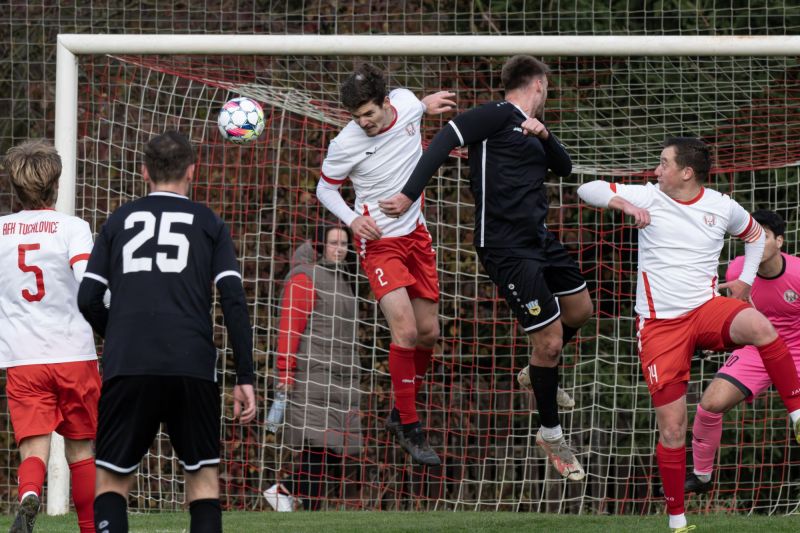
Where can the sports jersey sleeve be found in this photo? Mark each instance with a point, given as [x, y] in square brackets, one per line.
[558, 159]
[297, 304]
[743, 226]
[328, 194]
[337, 164]
[599, 193]
[94, 284]
[79, 247]
[234, 305]
[465, 129]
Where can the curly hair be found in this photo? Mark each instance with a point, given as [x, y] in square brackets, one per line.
[367, 84]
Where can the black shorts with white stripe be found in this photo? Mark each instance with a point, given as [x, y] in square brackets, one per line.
[132, 409]
[532, 280]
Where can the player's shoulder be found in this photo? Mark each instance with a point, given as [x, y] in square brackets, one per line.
[348, 140]
[792, 264]
[402, 95]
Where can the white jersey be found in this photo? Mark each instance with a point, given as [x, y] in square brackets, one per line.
[39, 317]
[379, 166]
[679, 250]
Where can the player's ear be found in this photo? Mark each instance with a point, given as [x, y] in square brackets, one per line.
[145, 174]
[189, 176]
[779, 241]
[386, 102]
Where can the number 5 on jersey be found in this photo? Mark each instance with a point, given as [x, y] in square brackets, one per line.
[166, 237]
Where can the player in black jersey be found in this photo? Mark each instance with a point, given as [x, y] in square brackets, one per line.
[159, 256]
[510, 152]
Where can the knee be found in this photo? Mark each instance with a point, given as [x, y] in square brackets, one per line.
[405, 334]
[547, 349]
[713, 405]
[673, 435]
[428, 334]
[77, 450]
[763, 332]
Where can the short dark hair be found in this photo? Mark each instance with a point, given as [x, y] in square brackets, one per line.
[518, 71]
[366, 84]
[167, 156]
[691, 152]
[770, 220]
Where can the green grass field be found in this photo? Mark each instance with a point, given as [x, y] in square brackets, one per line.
[331, 522]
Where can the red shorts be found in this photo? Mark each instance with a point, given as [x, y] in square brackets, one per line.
[58, 397]
[408, 261]
[666, 346]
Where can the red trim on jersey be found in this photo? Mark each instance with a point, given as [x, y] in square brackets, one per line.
[693, 200]
[613, 187]
[387, 128]
[650, 305]
[714, 287]
[79, 257]
[332, 181]
[752, 232]
[747, 229]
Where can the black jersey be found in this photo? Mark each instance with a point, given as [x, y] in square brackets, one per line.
[159, 256]
[507, 173]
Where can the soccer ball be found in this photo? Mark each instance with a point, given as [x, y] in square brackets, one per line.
[241, 120]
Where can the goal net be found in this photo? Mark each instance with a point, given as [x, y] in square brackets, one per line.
[612, 113]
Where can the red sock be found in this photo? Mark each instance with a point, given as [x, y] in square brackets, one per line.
[401, 369]
[83, 473]
[31, 476]
[672, 465]
[782, 371]
[422, 358]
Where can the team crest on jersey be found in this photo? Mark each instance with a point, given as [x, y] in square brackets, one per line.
[710, 219]
[790, 296]
[411, 130]
[533, 307]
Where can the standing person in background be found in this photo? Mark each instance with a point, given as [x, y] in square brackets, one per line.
[775, 293]
[45, 344]
[160, 256]
[682, 228]
[510, 153]
[377, 150]
[318, 368]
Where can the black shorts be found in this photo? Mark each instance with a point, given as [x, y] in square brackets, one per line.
[531, 281]
[132, 409]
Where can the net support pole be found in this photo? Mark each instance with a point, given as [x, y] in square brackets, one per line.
[66, 142]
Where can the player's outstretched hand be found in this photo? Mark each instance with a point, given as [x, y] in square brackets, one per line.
[533, 126]
[395, 205]
[365, 227]
[438, 103]
[737, 289]
[244, 403]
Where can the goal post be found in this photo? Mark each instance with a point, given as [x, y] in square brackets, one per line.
[612, 101]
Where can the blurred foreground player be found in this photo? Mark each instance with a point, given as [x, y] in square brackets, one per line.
[159, 255]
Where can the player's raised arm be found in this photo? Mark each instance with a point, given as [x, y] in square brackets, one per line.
[439, 102]
[602, 194]
[745, 227]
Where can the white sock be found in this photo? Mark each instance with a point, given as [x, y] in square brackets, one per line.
[702, 476]
[552, 434]
[677, 520]
[795, 416]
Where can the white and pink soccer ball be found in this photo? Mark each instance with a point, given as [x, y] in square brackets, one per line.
[241, 120]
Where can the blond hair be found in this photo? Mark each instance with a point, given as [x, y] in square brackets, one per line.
[34, 168]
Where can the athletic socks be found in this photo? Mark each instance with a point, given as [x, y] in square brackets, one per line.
[783, 372]
[206, 516]
[83, 474]
[567, 333]
[706, 436]
[422, 358]
[402, 370]
[672, 466]
[31, 476]
[111, 513]
[544, 381]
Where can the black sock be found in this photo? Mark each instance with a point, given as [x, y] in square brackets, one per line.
[410, 426]
[111, 513]
[568, 332]
[206, 516]
[545, 385]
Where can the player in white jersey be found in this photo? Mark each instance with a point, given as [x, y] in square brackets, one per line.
[743, 377]
[377, 151]
[45, 344]
[682, 227]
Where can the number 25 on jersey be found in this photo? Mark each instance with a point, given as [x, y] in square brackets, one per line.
[166, 237]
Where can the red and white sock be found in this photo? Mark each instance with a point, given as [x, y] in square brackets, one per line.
[422, 358]
[672, 465]
[783, 373]
[706, 436]
[402, 371]
[83, 476]
[31, 477]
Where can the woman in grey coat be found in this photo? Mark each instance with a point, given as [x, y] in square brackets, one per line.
[317, 367]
